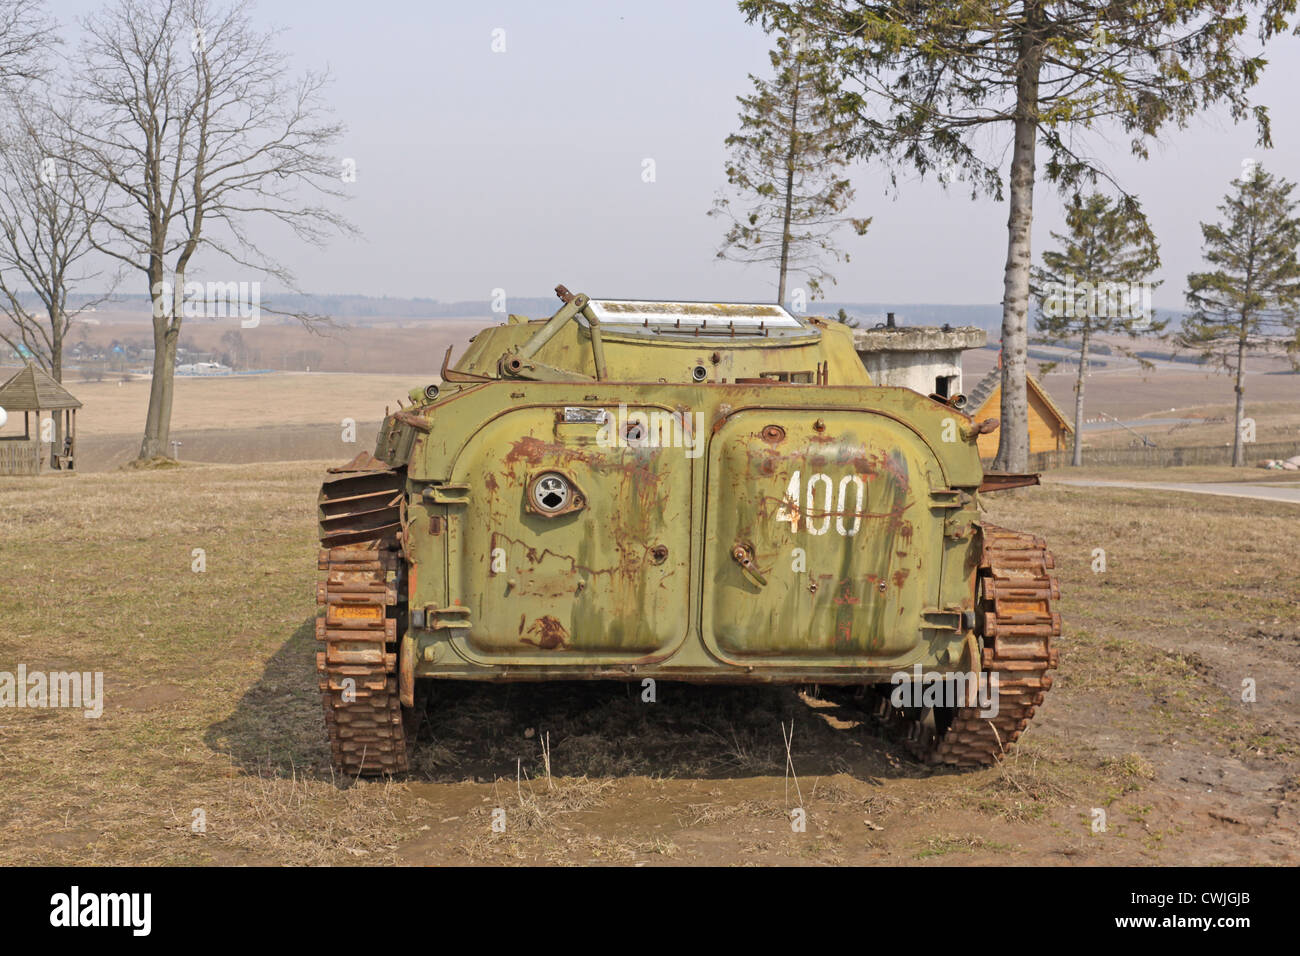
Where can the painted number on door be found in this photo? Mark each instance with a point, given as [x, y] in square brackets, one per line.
[812, 504]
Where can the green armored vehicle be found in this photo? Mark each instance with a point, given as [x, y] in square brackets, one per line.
[703, 492]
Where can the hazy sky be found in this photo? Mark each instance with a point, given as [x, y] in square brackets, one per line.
[479, 170]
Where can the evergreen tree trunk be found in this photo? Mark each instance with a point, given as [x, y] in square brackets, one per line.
[789, 186]
[1238, 452]
[1013, 436]
[1077, 458]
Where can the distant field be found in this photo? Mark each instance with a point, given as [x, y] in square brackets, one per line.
[244, 401]
[291, 415]
[284, 443]
[376, 347]
[238, 418]
[1274, 422]
[1272, 399]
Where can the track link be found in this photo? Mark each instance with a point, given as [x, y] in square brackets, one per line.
[1014, 591]
[360, 515]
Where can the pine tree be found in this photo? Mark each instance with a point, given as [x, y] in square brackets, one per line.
[1096, 283]
[788, 195]
[962, 88]
[1252, 298]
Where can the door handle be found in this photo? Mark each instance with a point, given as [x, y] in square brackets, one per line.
[743, 557]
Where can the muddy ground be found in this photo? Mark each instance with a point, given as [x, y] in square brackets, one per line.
[212, 715]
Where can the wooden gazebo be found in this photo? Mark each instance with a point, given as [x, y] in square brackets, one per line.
[32, 391]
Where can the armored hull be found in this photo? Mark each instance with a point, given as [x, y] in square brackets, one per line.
[707, 492]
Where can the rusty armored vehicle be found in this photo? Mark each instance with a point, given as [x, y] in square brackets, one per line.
[700, 492]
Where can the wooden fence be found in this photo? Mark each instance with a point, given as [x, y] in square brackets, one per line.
[20, 457]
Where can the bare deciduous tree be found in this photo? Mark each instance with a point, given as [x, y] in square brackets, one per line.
[237, 348]
[197, 127]
[46, 211]
[26, 34]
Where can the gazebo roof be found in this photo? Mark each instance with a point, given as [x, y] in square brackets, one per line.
[32, 389]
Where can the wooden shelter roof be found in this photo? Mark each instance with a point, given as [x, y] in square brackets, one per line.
[32, 389]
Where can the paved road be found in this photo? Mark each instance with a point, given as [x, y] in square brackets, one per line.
[1289, 492]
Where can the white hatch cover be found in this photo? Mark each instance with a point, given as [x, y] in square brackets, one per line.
[750, 316]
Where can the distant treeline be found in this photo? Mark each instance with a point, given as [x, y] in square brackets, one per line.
[866, 314]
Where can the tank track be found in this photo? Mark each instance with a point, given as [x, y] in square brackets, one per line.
[360, 519]
[1014, 616]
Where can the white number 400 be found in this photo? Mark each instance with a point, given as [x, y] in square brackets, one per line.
[794, 506]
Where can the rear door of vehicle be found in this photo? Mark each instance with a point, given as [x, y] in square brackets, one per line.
[605, 581]
[831, 508]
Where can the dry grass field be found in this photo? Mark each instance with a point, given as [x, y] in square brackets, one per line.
[242, 401]
[212, 706]
[1274, 422]
[286, 414]
[237, 418]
